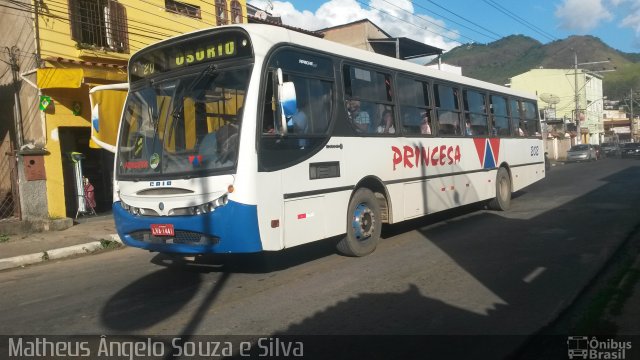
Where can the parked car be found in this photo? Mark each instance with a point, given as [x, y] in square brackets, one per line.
[582, 152]
[629, 150]
[610, 149]
[599, 152]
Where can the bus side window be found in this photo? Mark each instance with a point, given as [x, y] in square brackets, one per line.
[499, 114]
[475, 112]
[415, 108]
[366, 92]
[269, 106]
[531, 126]
[515, 115]
[308, 124]
[448, 110]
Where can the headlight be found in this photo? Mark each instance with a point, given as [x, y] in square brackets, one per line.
[138, 211]
[202, 208]
[212, 205]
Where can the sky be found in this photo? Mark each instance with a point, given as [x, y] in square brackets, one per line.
[450, 23]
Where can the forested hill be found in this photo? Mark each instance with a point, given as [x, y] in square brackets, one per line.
[498, 61]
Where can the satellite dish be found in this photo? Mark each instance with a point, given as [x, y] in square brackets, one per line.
[262, 15]
[550, 98]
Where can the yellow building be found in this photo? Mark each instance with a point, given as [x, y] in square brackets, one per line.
[80, 44]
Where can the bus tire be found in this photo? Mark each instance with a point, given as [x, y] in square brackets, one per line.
[364, 225]
[502, 201]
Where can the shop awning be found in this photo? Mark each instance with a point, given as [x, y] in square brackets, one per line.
[73, 78]
[50, 78]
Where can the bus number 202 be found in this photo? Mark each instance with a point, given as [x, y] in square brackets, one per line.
[535, 150]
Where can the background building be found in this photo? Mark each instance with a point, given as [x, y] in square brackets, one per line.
[557, 94]
[560, 83]
[364, 34]
[58, 50]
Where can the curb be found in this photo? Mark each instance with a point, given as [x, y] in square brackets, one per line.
[55, 254]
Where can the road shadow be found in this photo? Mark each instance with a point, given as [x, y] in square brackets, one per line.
[535, 265]
[534, 289]
[258, 263]
[150, 300]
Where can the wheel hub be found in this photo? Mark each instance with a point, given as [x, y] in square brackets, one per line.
[363, 222]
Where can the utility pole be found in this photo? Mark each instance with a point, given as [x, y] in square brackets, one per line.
[577, 90]
[631, 127]
[17, 113]
[577, 97]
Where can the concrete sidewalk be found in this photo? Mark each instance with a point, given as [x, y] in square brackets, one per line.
[86, 236]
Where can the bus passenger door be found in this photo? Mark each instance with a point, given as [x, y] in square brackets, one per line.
[297, 111]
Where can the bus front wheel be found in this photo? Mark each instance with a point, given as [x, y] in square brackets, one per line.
[363, 225]
[502, 201]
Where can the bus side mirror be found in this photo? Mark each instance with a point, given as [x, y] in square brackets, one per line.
[107, 102]
[286, 101]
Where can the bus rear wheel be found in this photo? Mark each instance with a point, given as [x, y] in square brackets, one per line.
[363, 225]
[502, 201]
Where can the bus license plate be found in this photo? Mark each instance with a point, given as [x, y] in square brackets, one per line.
[162, 230]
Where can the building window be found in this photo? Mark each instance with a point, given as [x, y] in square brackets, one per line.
[236, 12]
[183, 8]
[99, 23]
[221, 12]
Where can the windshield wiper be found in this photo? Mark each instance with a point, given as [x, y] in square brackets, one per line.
[210, 70]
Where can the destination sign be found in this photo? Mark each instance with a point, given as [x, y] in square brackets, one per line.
[183, 53]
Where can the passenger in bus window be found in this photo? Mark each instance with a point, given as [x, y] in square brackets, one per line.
[297, 123]
[467, 128]
[386, 123]
[520, 131]
[494, 130]
[227, 143]
[359, 118]
[425, 125]
[238, 116]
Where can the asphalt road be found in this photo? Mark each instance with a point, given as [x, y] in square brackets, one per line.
[465, 272]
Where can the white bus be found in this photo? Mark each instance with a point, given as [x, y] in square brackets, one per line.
[255, 138]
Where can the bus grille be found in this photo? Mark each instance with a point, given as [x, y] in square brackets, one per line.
[180, 237]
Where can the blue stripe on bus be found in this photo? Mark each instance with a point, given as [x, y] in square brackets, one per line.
[235, 225]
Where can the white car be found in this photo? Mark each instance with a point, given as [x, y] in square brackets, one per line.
[582, 152]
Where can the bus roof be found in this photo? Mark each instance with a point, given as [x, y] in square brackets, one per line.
[271, 35]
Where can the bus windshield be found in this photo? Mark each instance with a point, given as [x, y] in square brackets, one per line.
[183, 127]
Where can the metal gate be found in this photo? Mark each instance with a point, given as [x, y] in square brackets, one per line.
[9, 196]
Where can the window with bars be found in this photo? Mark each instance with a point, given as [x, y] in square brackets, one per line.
[183, 8]
[236, 12]
[221, 12]
[99, 23]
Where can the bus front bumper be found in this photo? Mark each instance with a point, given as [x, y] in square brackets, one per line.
[232, 228]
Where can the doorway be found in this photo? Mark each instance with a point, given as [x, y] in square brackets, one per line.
[97, 166]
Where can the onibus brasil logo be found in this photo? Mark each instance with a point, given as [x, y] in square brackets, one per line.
[581, 347]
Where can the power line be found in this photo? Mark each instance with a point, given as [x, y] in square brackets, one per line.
[498, 36]
[408, 22]
[68, 20]
[63, 6]
[520, 20]
[429, 21]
